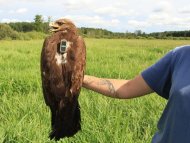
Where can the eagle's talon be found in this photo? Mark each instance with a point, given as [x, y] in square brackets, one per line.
[52, 134]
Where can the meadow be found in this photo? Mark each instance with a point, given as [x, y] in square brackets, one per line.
[24, 117]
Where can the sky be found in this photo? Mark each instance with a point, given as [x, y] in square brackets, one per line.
[117, 16]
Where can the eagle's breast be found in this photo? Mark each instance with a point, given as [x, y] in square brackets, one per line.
[61, 55]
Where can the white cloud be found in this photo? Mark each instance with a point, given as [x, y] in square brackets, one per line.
[163, 7]
[21, 10]
[159, 19]
[138, 24]
[11, 11]
[121, 15]
[158, 9]
[98, 7]
[184, 10]
[74, 5]
[167, 21]
[6, 20]
[114, 11]
[2, 1]
[93, 21]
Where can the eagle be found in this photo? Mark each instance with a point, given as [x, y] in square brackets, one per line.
[63, 60]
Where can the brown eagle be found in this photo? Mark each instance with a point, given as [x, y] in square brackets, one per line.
[63, 59]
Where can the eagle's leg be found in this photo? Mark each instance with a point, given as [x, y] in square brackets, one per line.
[67, 121]
[53, 115]
[53, 122]
[77, 117]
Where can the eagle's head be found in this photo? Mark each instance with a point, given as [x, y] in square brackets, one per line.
[63, 25]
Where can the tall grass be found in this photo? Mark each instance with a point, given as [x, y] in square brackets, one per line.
[24, 117]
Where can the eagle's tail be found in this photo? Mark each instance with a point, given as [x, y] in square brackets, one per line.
[67, 120]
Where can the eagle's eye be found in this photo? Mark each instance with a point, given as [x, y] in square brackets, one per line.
[60, 23]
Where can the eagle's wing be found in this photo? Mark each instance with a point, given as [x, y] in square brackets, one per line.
[47, 55]
[45, 73]
[79, 66]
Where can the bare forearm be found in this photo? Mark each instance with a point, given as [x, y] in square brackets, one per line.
[103, 86]
[115, 88]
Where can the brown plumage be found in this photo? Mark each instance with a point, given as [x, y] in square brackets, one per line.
[62, 75]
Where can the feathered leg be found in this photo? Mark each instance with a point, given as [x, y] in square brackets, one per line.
[53, 122]
[67, 120]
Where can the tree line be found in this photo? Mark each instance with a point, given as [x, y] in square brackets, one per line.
[38, 25]
[24, 30]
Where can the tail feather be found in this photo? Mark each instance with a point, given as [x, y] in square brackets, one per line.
[67, 121]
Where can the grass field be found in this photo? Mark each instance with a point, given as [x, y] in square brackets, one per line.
[24, 117]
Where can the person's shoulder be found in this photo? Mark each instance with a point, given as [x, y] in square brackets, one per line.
[182, 49]
[180, 53]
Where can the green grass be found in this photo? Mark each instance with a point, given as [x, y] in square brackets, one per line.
[25, 118]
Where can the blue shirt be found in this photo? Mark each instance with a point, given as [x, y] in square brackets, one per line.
[170, 78]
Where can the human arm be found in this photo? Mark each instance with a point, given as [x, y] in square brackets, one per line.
[117, 88]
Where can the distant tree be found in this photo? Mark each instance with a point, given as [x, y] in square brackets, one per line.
[138, 32]
[85, 31]
[49, 19]
[38, 23]
[7, 32]
[22, 26]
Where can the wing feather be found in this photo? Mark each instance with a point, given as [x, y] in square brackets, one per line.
[79, 66]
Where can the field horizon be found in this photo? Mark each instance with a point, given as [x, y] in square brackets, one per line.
[24, 117]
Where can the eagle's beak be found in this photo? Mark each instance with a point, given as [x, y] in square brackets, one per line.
[53, 27]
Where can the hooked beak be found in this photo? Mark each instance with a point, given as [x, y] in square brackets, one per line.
[53, 27]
